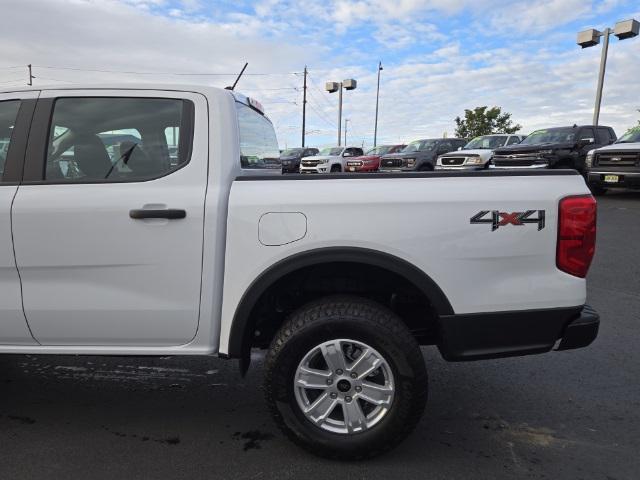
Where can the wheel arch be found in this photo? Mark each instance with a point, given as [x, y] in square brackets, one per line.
[244, 321]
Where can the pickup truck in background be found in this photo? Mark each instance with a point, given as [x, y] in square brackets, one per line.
[476, 154]
[370, 161]
[420, 155]
[329, 160]
[616, 165]
[560, 147]
[341, 278]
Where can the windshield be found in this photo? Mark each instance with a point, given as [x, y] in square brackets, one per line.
[331, 151]
[486, 142]
[551, 135]
[381, 150]
[632, 136]
[419, 146]
[291, 152]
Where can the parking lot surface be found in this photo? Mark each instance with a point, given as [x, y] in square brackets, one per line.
[573, 414]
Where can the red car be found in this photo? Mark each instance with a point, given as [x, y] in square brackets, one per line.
[370, 161]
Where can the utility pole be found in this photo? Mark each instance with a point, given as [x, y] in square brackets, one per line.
[375, 130]
[31, 77]
[304, 104]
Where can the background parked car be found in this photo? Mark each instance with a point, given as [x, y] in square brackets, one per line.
[420, 154]
[330, 159]
[370, 161]
[616, 165]
[561, 147]
[291, 157]
[477, 153]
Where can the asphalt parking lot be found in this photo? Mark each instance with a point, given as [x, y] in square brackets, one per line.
[572, 414]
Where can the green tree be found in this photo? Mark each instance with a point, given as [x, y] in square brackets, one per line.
[484, 121]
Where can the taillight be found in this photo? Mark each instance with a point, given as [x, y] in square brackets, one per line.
[576, 234]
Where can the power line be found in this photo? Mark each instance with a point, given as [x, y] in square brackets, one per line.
[188, 74]
[323, 94]
[321, 115]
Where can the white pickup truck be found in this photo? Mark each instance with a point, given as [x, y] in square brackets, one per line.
[178, 239]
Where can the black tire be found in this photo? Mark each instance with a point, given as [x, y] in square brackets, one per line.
[336, 168]
[425, 167]
[358, 319]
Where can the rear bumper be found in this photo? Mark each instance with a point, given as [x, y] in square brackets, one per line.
[625, 179]
[507, 334]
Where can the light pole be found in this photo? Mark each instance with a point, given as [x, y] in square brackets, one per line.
[346, 124]
[375, 129]
[331, 87]
[589, 38]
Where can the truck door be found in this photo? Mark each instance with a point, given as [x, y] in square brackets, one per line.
[108, 223]
[15, 116]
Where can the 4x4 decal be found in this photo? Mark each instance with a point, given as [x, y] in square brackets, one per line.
[499, 219]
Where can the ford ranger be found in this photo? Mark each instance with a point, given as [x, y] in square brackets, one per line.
[477, 153]
[615, 166]
[341, 278]
[560, 147]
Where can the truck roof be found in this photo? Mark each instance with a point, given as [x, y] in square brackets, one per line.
[117, 86]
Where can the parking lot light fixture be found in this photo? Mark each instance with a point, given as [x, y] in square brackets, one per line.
[591, 37]
[331, 87]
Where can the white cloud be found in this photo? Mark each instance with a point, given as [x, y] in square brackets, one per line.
[421, 94]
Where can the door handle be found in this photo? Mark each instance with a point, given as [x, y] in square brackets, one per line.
[168, 213]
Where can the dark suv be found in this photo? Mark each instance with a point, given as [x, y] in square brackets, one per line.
[420, 154]
[560, 147]
[290, 158]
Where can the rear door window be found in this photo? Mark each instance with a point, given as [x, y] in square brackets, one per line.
[8, 114]
[117, 139]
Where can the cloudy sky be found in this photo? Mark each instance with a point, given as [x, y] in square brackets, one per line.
[439, 57]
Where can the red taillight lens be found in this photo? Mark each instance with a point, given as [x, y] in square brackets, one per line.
[576, 234]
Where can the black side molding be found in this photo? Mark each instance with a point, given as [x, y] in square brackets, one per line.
[169, 214]
[506, 334]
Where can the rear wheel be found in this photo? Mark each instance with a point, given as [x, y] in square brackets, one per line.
[345, 378]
